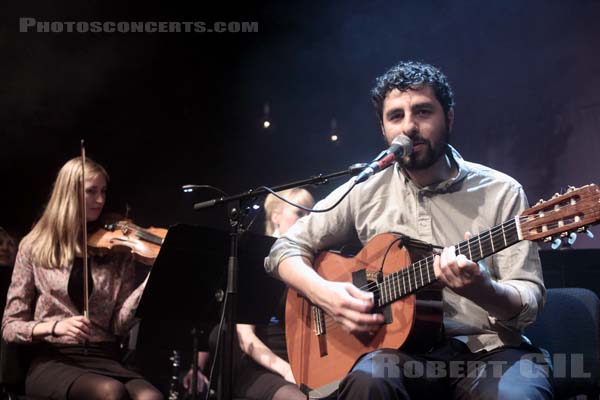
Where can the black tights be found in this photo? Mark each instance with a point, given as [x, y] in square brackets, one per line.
[100, 387]
[289, 392]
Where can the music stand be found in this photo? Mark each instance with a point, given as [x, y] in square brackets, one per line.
[188, 272]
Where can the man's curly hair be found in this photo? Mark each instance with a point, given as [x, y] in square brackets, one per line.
[409, 75]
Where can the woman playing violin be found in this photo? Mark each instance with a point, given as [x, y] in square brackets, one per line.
[75, 357]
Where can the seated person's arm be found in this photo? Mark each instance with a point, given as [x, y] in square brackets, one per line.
[255, 348]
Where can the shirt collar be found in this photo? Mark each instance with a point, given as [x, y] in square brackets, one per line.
[444, 186]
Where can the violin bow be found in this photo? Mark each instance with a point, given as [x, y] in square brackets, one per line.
[86, 289]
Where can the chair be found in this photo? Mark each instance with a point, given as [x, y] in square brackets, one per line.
[569, 328]
[14, 361]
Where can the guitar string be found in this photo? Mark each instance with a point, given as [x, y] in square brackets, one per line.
[486, 245]
[404, 273]
[411, 272]
[416, 267]
[412, 269]
[394, 277]
[374, 287]
[408, 272]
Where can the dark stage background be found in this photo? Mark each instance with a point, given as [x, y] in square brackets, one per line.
[165, 109]
[160, 110]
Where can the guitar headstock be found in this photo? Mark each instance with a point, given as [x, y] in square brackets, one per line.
[573, 211]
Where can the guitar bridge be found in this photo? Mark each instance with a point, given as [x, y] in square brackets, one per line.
[320, 328]
[319, 321]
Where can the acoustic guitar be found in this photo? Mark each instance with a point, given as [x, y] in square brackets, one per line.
[321, 352]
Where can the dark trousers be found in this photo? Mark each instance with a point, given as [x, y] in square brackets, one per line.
[450, 372]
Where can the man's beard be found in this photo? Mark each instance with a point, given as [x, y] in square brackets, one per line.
[428, 155]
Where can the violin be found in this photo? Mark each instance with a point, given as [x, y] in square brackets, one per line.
[124, 235]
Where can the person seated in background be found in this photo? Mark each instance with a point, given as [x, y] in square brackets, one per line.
[264, 372]
[8, 249]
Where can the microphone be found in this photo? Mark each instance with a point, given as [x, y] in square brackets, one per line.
[401, 147]
[190, 188]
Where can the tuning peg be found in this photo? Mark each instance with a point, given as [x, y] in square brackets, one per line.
[556, 243]
[571, 189]
[589, 233]
[556, 195]
[547, 239]
[540, 201]
[572, 238]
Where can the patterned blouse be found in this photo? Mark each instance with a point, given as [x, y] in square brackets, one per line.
[38, 294]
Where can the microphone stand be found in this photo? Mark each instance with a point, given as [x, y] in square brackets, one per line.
[236, 216]
[194, 364]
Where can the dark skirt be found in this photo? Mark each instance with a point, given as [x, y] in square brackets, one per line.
[253, 381]
[55, 367]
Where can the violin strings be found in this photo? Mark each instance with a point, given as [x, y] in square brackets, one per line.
[141, 233]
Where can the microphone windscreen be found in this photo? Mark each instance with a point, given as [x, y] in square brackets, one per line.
[404, 145]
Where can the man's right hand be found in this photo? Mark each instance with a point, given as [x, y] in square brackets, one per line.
[348, 305]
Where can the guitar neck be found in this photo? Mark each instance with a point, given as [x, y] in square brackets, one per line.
[421, 273]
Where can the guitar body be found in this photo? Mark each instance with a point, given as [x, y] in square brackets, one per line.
[321, 353]
[413, 321]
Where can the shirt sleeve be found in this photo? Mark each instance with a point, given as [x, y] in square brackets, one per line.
[520, 267]
[316, 232]
[18, 323]
[128, 298]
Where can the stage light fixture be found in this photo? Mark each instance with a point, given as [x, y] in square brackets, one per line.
[334, 135]
[266, 116]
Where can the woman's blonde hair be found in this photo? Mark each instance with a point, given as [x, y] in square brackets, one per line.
[55, 239]
[272, 204]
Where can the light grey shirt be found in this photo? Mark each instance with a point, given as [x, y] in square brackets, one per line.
[476, 199]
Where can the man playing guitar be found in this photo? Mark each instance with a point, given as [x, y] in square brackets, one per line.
[435, 196]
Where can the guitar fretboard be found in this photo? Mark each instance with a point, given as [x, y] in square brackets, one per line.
[420, 274]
